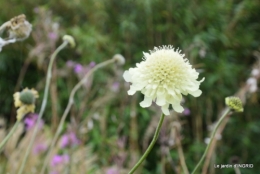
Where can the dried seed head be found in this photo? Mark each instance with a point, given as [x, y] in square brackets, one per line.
[19, 28]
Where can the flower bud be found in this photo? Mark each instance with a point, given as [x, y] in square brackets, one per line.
[70, 40]
[120, 60]
[27, 97]
[234, 103]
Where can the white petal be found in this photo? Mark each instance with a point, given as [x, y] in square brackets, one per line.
[132, 90]
[160, 101]
[146, 54]
[165, 109]
[202, 79]
[146, 102]
[196, 93]
[127, 76]
[178, 108]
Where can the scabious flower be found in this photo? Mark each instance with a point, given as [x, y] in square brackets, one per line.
[69, 139]
[163, 76]
[25, 100]
[19, 28]
[234, 103]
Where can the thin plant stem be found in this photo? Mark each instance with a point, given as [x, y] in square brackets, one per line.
[71, 101]
[11, 132]
[180, 152]
[211, 139]
[155, 137]
[44, 103]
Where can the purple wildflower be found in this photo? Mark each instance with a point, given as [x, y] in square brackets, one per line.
[92, 64]
[186, 112]
[31, 120]
[70, 64]
[78, 68]
[59, 159]
[39, 148]
[69, 139]
[53, 36]
[112, 170]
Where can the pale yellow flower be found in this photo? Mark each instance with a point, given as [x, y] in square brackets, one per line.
[25, 100]
[163, 76]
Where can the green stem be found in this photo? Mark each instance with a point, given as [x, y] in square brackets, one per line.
[71, 101]
[156, 134]
[211, 139]
[9, 134]
[44, 103]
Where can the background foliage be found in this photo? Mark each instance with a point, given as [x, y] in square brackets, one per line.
[220, 38]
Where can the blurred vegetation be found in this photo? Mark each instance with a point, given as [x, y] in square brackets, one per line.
[220, 38]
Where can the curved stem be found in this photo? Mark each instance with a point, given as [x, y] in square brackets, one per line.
[156, 134]
[44, 103]
[71, 101]
[211, 139]
[9, 134]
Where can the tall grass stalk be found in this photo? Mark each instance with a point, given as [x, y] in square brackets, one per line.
[71, 101]
[44, 103]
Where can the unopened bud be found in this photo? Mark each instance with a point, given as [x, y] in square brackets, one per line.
[120, 60]
[27, 97]
[70, 40]
[234, 103]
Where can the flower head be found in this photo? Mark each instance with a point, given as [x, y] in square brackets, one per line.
[70, 40]
[60, 159]
[19, 28]
[31, 120]
[25, 100]
[69, 139]
[78, 68]
[163, 76]
[234, 103]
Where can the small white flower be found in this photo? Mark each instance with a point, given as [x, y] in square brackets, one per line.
[163, 76]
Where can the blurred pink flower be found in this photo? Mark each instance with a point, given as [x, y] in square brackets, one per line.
[92, 64]
[112, 170]
[115, 87]
[39, 148]
[186, 112]
[70, 64]
[60, 159]
[78, 68]
[69, 139]
[30, 120]
[53, 36]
